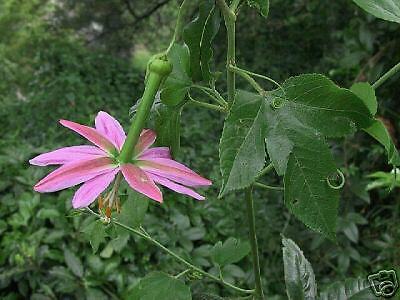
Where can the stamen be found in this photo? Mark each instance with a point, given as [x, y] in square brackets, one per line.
[118, 204]
[108, 212]
[100, 202]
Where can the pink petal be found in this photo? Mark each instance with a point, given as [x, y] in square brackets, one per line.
[66, 155]
[74, 173]
[92, 188]
[173, 170]
[176, 187]
[146, 139]
[89, 133]
[157, 152]
[141, 182]
[110, 128]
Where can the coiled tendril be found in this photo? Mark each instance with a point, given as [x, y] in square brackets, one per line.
[342, 181]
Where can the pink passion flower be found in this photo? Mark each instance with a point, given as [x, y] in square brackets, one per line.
[97, 166]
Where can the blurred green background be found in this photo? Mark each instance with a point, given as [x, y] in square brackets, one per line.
[69, 59]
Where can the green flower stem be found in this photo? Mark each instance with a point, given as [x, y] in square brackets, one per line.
[230, 21]
[179, 24]
[259, 294]
[158, 70]
[247, 77]
[268, 187]
[143, 234]
[207, 105]
[386, 76]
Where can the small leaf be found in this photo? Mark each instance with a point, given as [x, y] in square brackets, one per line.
[366, 93]
[158, 285]
[299, 275]
[377, 129]
[351, 231]
[242, 146]
[198, 35]
[231, 251]
[261, 5]
[73, 262]
[379, 132]
[351, 289]
[178, 82]
[168, 127]
[133, 209]
[388, 10]
[95, 232]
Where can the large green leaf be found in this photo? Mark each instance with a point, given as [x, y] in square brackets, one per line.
[384, 9]
[168, 127]
[299, 275]
[178, 82]
[242, 147]
[351, 289]
[158, 285]
[319, 103]
[198, 35]
[310, 107]
[261, 5]
[229, 252]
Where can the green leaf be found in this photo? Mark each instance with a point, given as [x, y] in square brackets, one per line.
[309, 108]
[73, 262]
[319, 103]
[389, 180]
[377, 129]
[366, 93]
[351, 289]
[299, 275]
[168, 127]
[178, 82]
[133, 209]
[307, 194]
[198, 35]
[95, 232]
[261, 5]
[158, 285]
[379, 132]
[242, 146]
[388, 10]
[231, 251]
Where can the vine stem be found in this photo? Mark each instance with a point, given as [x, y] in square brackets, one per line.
[230, 21]
[179, 25]
[386, 76]
[253, 242]
[143, 234]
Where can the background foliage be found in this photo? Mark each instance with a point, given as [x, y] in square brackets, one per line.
[70, 59]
